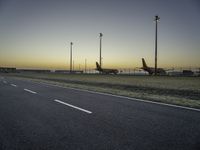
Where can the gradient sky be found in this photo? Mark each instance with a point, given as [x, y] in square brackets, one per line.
[37, 33]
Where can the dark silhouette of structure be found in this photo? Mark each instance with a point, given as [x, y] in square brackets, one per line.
[33, 71]
[152, 70]
[7, 70]
[188, 73]
[106, 71]
[68, 71]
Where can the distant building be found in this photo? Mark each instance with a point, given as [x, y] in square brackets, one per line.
[185, 73]
[68, 71]
[175, 73]
[7, 70]
[34, 70]
[62, 71]
[188, 73]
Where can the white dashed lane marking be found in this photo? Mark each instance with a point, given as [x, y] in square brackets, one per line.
[27, 90]
[75, 107]
[13, 85]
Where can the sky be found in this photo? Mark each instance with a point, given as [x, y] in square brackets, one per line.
[37, 33]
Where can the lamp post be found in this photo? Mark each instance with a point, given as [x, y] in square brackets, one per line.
[71, 56]
[85, 65]
[156, 34]
[100, 58]
[73, 66]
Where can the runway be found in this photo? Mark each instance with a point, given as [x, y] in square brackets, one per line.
[35, 115]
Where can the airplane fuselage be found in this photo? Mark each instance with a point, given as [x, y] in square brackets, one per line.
[106, 71]
[109, 71]
[151, 70]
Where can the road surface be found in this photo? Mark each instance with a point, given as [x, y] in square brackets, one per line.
[41, 116]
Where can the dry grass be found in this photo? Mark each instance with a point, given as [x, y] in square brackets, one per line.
[183, 91]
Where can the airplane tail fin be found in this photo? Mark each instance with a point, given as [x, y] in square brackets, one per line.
[144, 63]
[98, 66]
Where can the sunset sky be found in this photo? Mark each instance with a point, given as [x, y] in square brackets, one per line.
[37, 33]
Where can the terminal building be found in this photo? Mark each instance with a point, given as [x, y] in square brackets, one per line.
[7, 70]
[34, 70]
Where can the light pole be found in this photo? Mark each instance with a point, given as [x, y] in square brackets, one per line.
[100, 58]
[71, 56]
[85, 65]
[73, 66]
[156, 32]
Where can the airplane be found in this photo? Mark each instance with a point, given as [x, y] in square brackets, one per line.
[151, 70]
[106, 71]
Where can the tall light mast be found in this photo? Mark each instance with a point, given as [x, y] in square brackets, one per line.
[71, 56]
[85, 65]
[156, 34]
[100, 58]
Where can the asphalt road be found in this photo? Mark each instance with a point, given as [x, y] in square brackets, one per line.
[40, 116]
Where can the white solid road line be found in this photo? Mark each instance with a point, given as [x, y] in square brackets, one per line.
[124, 97]
[81, 109]
[130, 98]
[30, 91]
[13, 85]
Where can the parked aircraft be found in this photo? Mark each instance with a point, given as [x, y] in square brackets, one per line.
[151, 70]
[106, 71]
